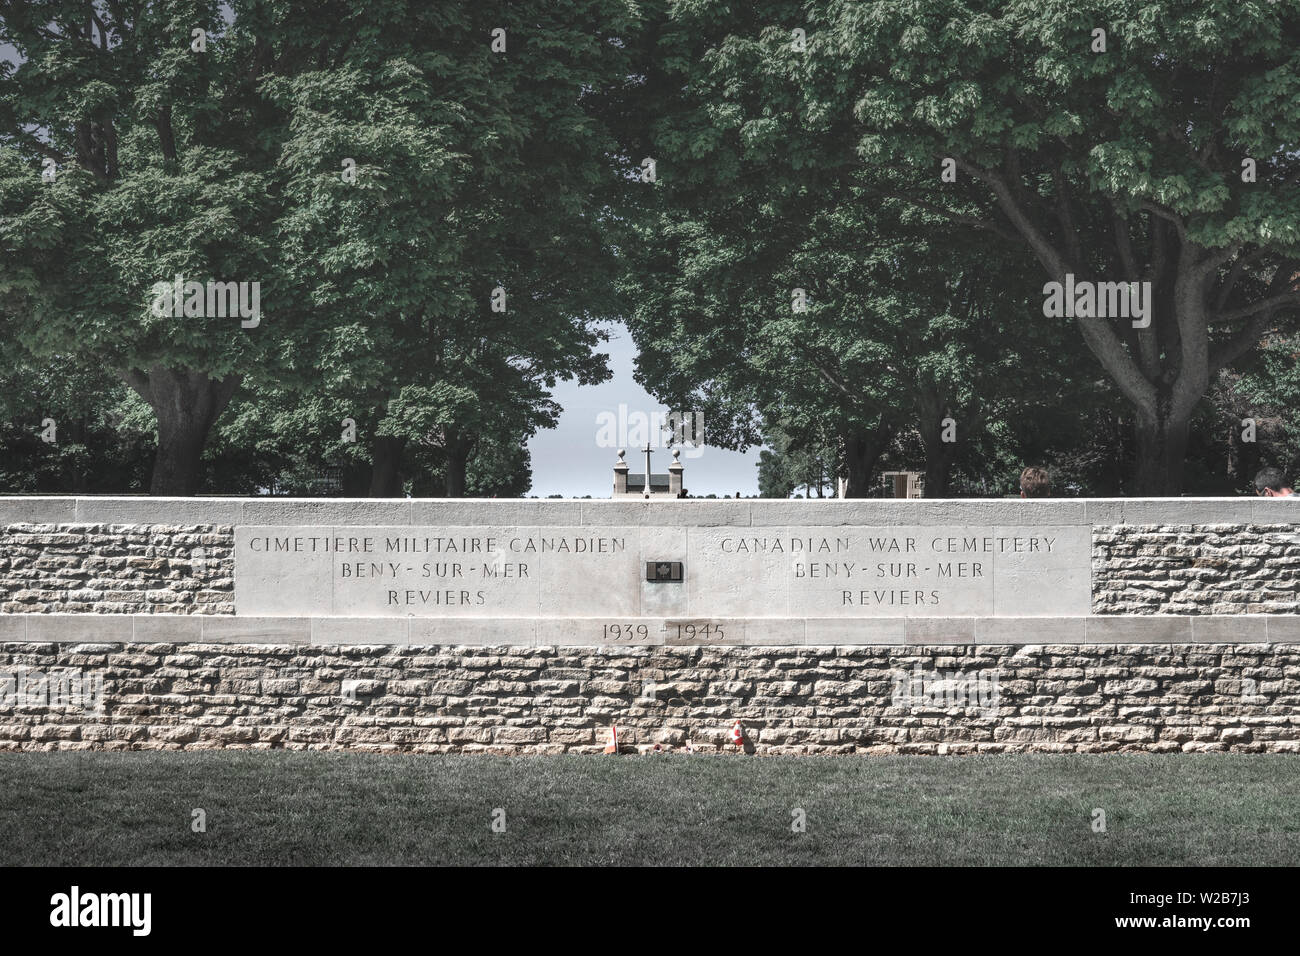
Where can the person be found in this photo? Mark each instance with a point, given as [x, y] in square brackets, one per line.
[1034, 483]
[1271, 483]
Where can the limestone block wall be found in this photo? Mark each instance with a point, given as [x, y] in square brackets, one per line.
[118, 631]
[117, 569]
[516, 700]
[1196, 569]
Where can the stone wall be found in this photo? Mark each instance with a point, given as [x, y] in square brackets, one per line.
[836, 700]
[1196, 569]
[116, 569]
[128, 561]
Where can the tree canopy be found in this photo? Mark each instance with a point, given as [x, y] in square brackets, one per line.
[965, 233]
[415, 193]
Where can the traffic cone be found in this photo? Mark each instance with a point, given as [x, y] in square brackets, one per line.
[612, 747]
[737, 735]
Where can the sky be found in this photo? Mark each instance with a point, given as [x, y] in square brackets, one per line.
[569, 459]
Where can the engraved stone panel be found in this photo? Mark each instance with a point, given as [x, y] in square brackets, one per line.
[729, 572]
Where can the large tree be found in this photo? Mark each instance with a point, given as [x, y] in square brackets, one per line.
[1169, 158]
[891, 336]
[467, 254]
[481, 161]
[771, 287]
[163, 158]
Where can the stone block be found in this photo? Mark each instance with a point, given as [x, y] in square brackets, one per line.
[255, 630]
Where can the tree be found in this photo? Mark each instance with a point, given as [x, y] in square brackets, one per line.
[1169, 158]
[832, 317]
[67, 427]
[468, 248]
[791, 462]
[224, 157]
[1249, 421]
[163, 161]
[775, 280]
[1129, 165]
[1272, 392]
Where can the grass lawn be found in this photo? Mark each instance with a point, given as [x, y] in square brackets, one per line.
[338, 808]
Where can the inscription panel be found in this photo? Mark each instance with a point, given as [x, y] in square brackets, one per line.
[904, 571]
[754, 572]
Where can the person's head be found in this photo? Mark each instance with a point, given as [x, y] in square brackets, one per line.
[1271, 483]
[1034, 483]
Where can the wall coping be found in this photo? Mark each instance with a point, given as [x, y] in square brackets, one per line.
[1106, 629]
[582, 512]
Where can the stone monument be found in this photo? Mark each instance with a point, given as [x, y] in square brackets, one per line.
[874, 626]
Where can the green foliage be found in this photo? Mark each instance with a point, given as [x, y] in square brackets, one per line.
[165, 167]
[103, 435]
[473, 170]
[786, 464]
[782, 168]
[1272, 391]
[906, 322]
[778, 169]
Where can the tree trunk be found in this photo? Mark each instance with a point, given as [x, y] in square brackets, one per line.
[457, 449]
[186, 403]
[939, 454]
[1166, 367]
[356, 479]
[386, 466]
[1243, 459]
[80, 432]
[457, 461]
[1161, 452]
[862, 450]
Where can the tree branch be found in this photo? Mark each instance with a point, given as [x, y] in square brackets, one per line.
[827, 373]
[1241, 343]
[1167, 214]
[138, 382]
[1124, 244]
[1231, 281]
[36, 143]
[1062, 195]
[1276, 302]
[1101, 338]
[166, 138]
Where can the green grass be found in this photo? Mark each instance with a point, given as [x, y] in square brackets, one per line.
[336, 808]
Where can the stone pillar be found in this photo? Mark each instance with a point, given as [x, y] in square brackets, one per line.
[675, 474]
[620, 474]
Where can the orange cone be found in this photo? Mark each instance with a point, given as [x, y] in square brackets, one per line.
[737, 735]
[612, 747]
